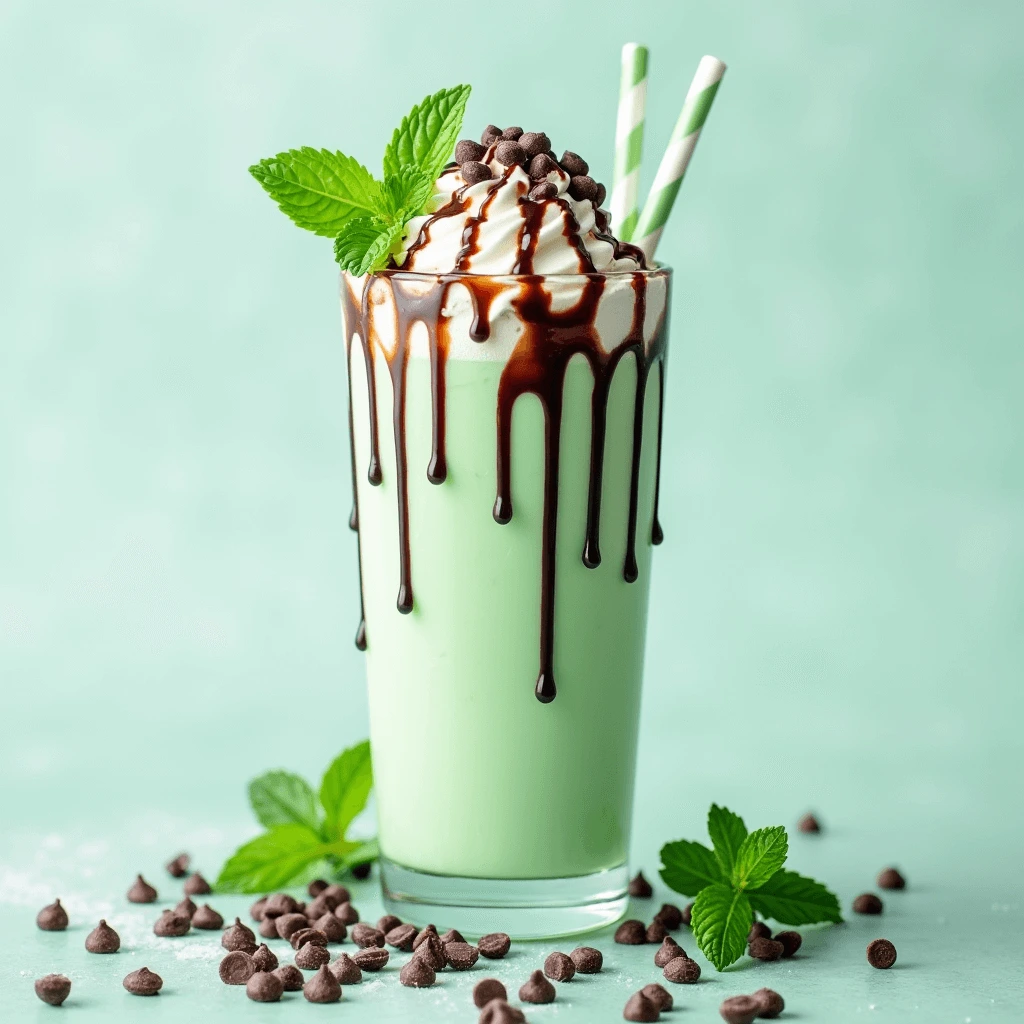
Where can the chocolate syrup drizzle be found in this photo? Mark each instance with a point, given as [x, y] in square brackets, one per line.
[537, 365]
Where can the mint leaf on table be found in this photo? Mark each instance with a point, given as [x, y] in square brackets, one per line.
[721, 922]
[428, 133]
[790, 898]
[345, 788]
[727, 831]
[688, 867]
[760, 855]
[281, 798]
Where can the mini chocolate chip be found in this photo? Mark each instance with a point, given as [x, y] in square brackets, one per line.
[365, 935]
[452, 935]
[541, 166]
[319, 906]
[311, 957]
[432, 952]
[263, 959]
[639, 1007]
[460, 955]
[640, 888]
[582, 187]
[513, 133]
[759, 930]
[289, 924]
[486, 990]
[425, 934]
[867, 903]
[52, 918]
[362, 871]
[186, 908]
[494, 945]
[102, 939]
[323, 987]
[264, 987]
[490, 134]
[739, 1009]
[574, 164]
[178, 868]
[602, 194]
[371, 959]
[467, 149]
[53, 988]
[659, 995]
[559, 967]
[143, 982]
[510, 154]
[668, 950]
[809, 823]
[346, 913]
[291, 977]
[330, 926]
[686, 914]
[401, 937]
[387, 922]
[534, 143]
[881, 954]
[141, 891]
[537, 989]
[417, 973]
[298, 939]
[196, 885]
[587, 959]
[239, 936]
[682, 971]
[670, 916]
[791, 942]
[890, 878]
[631, 933]
[498, 1011]
[346, 970]
[170, 925]
[656, 931]
[267, 928]
[279, 904]
[542, 191]
[256, 910]
[208, 919]
[236, 968]
[772, 1004]
[765, 949]
[316, 887]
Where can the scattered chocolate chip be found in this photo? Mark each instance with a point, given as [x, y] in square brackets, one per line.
[772, 1004]
[311, 957]
[582, 187]
[279, 904]
[486, 990]
[791, 942]
[490, 135]
[543, 191]
[541, 166]
[178, 868]
[239, 936]
[141, 891]
[668, 950]
[631, 933]
[365, 935]
[659, 995]
[513, 133]
[587, 959]
[881, 954]
[759, 930]
[559, 967]
[316, 887]
[809, 823]
[256, 910]
[267, 928]
[52, 918]
[208, 919]
[639, 1007]
[298, 939]
[425, 934]
[498, 1011]
[602, 195]
[432, 952]
[534, 143]
[346, 970]
[867, 903]
[417, 973]
[466, 150]
[291, 977]
[263, 959]
[387, 922]
[452, 935]
[670, 916]
[264, 987]
[494, 946]
[196, 885]
[288, 924]
[143, 982]
[323, 987]
[640, 888]
[346, 913]
[682, 971]
[510, 154]
[656, 931]
[461, 956]
[319, 906]
[371, 959]
[170, 925]
[102, 939]
[537, 990]
[362, 871]
[765, 949]
[739, 1009]
[401, 937]
[890, 878]
[186, 908]
[236, 968]
[687, 914]
[574, 164]
[53, 988]
[330, 926]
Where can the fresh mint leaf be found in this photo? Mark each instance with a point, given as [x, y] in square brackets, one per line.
[405, 193]
[281, 798]
[688, 867]
[321, 191]
[345, 788]
[790, 898]
[428, 133]
[760, 855]
[365, 244]
[727, 831]
[721, 920]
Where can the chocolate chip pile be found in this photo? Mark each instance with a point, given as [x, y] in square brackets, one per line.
[512, 147]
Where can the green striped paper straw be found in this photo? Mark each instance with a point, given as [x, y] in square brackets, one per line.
[677, 157]
[629, 137]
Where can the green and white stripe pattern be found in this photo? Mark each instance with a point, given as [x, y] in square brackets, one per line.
[677, 157]
[629, 137]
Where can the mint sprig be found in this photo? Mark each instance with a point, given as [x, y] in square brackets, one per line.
[334, 195]
[302, 836]
[744, 873]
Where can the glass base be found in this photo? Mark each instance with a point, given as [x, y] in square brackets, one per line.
[525, 908]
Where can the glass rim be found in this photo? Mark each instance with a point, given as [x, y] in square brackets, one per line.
[456, 276]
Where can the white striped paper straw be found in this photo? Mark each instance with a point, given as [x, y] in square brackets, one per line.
[677, 157]
[629, 135]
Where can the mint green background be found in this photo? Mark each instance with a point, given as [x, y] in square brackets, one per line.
[836, 613]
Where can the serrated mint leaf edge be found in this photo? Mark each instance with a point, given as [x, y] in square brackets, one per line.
[760, 855]
[725, 828]
[828, 910]
[345, 788]
[402, 149]
[686, 853]
[710, 937]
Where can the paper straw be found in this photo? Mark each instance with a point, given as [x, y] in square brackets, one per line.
[629, 136]
[677, 157]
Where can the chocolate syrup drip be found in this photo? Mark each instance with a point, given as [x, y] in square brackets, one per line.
[471, 232]
[657, 535]
[529, 234]
[571, 230]
[620, 250]
[456, 205]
